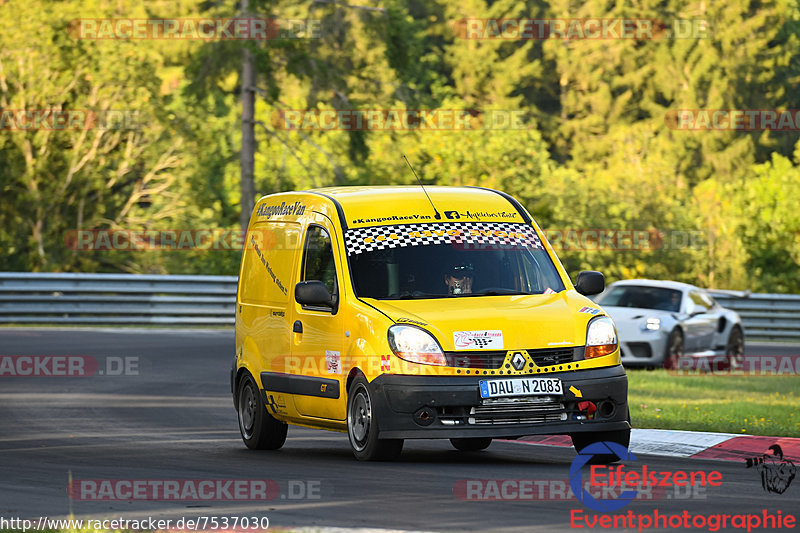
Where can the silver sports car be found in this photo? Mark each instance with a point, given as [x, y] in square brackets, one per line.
[665, 322]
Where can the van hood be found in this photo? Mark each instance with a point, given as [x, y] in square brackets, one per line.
[520, 322]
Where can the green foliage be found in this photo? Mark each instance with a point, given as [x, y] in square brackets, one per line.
[769, 225]
[762, 405]
[594, 151]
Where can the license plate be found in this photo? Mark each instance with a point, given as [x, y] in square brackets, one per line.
[496, 388]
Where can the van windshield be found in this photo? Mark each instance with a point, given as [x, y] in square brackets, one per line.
[449, 260]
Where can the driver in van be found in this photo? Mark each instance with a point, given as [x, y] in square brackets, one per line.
[459, 279]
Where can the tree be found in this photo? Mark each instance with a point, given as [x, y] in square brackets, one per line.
[113, 172]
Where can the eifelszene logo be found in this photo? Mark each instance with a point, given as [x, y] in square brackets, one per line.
[614, 478]
[576, 478]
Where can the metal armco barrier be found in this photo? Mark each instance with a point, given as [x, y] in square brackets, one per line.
[771, 317]
[210, 300]
[116, 299]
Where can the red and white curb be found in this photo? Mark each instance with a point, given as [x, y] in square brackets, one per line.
[689, 444]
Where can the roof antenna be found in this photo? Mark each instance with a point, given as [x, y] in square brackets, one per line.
[437, 216]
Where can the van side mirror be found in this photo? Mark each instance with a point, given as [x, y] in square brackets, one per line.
[313, 293]
[590, 282]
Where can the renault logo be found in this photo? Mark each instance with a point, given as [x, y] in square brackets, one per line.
[518, 361]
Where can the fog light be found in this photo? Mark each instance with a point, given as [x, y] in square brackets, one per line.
[425, 416]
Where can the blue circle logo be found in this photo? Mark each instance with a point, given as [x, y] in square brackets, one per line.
[576, 479]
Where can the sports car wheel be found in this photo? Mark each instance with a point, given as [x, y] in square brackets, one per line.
[674, 350]
[259, 430]
[735, 348]
[362, 427]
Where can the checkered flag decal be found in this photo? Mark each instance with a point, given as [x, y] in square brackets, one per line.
[481, 343]
[361, 240]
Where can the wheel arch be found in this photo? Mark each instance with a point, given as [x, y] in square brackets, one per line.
[240, 373]
[354, 373]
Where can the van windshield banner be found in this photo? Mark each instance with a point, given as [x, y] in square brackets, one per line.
[462, 234]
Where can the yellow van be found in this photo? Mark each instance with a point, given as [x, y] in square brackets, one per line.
[399, 312]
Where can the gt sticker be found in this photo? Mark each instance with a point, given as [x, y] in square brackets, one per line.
[402, 320]
[466, 340]
[333, 362]
[590, 310]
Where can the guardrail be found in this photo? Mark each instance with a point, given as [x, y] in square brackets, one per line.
[773, 317]
[116, 299]
[210, 300]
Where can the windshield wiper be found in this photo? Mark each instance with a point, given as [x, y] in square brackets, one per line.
[408, 295]
[496, 292]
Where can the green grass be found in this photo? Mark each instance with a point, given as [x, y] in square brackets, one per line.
[745, 405]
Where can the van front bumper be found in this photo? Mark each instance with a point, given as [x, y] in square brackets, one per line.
[436, 407]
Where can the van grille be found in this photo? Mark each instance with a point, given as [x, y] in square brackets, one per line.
[517, 411]
[495, 359]
[476, 359]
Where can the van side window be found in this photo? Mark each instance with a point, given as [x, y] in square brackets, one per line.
[318, 263]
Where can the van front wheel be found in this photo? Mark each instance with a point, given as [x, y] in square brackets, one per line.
[259, 430]
[362, 427]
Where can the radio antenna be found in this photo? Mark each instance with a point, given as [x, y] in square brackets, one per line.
[437, 216]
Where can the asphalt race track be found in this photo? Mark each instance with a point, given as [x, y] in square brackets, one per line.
[172, 418]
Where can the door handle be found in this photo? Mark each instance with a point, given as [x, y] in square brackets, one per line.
[297, 327]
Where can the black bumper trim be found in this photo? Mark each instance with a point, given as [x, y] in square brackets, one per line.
[397, 397]
[303, 385]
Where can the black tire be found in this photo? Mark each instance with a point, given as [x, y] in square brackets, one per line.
[734, 350]
[620, 436]
[362, 426]
[259, 430]
[471, 444]
[674, 349]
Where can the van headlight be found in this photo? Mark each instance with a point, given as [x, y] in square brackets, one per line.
[415, 345]
[601, 337]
